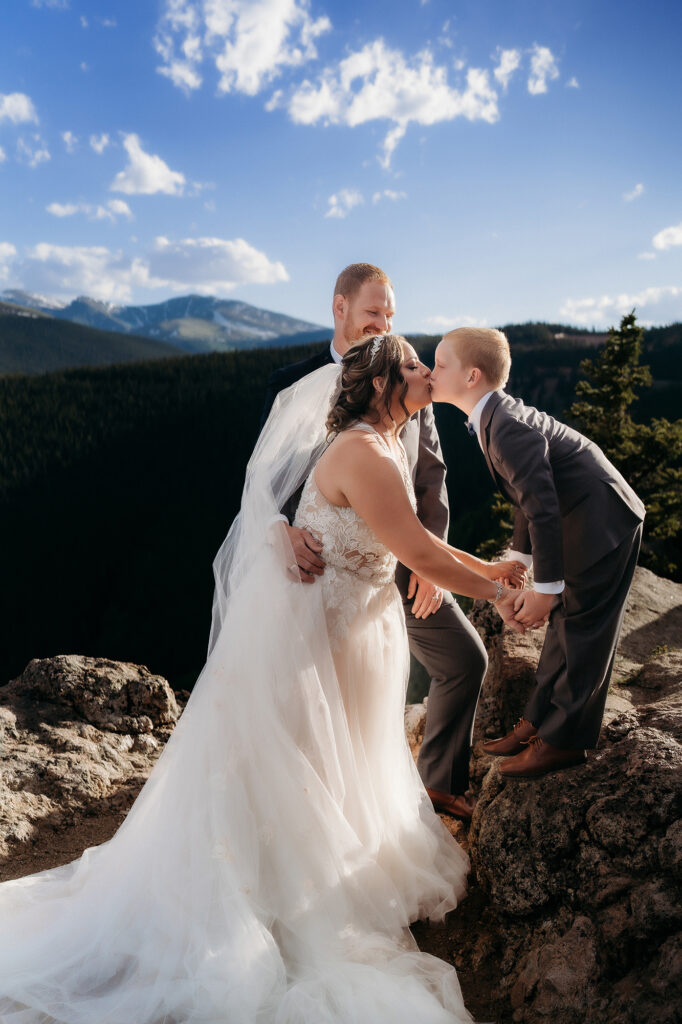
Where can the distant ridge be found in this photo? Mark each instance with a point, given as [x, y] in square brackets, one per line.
[193, 323]
[32, 342]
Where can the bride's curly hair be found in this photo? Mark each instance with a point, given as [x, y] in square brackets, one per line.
[379, 356]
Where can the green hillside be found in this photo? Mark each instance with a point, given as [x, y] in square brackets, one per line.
[31, 342]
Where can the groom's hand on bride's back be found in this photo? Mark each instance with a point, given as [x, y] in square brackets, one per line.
[308, 563]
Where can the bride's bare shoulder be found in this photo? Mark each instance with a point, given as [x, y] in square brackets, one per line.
[353, 444]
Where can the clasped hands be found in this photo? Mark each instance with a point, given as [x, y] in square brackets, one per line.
[527, 610]
[521, 611]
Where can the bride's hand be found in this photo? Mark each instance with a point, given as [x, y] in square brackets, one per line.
[511, 574]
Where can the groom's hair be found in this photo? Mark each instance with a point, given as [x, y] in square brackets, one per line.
[484, 348]
[354, 276]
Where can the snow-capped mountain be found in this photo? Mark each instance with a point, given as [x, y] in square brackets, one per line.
[195, 323]
[30, 300]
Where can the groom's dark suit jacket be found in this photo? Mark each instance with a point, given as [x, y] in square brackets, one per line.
[419, 437]
[573, 506]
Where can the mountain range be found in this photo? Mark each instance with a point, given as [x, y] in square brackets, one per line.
[192, 323]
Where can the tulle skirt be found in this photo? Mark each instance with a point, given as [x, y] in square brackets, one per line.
[270, 866]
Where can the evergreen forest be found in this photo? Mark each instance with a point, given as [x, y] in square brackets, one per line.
[118, 484]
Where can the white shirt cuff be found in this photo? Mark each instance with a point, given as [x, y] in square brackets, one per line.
[517, 556]
[550, 588]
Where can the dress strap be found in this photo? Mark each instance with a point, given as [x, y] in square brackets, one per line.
[368, 428]
[404, 469]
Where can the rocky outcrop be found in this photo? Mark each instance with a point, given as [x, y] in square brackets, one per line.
[574, 912]
[576, 876]
[78, 738]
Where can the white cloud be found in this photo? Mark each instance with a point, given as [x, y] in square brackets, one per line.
[120, 208]
[212, 265]
[342, 202]
[388, 193]
[668, 237]
[205, 265]
[573, 83]
[509, 61]
[389, 144]
[108, 22]
[70, 141]
[7, 255]
[448, 323]
[182, 74]
[84, 66]
[3, 155]
[33, 152]
[542, 68]
[608, 309]
[63, 271]
[249, 41]
[84, 21]
[99, 142]
[17, 107]
[377, 83]
[63, 209]
[635, 194]
[57, 4]
[110, 211]
[646, 256]
[146, 174]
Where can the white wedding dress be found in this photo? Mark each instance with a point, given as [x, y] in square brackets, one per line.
[269, 869]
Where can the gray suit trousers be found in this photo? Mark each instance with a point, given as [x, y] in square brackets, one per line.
[572, 678]
[451, 651]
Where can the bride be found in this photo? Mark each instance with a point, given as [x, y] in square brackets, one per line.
[269, 869]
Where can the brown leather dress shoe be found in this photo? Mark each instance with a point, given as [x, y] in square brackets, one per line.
[539, 758]
[514, 741]
[457, 805]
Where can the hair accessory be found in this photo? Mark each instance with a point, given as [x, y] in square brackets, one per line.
[375, 346]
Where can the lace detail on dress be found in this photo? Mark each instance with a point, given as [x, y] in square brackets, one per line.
[353, 554]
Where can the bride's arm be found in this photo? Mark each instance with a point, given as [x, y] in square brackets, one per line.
[512, 571]
[371, 483]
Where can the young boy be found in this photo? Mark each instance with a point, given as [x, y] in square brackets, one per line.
[578, 521]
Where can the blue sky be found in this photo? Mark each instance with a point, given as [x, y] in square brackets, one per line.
[502, 160]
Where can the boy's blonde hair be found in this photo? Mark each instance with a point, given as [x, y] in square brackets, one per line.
[484, 348]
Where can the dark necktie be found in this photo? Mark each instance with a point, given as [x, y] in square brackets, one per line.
[471, 429]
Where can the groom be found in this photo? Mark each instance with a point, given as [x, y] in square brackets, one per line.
[440, 635]
[581, 524]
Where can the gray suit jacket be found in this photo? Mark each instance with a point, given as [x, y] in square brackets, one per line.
[573, 506]
[421, 442]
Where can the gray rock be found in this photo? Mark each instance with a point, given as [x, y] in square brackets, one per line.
[577, 874]
[78, 738]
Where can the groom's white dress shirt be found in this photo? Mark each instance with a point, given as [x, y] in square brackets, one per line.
[527, 560]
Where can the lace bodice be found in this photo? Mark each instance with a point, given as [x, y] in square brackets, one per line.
[352, 552]
[348, 543]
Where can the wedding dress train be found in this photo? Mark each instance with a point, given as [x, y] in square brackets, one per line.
[269, 868]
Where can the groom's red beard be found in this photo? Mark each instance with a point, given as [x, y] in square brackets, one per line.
[352, 335]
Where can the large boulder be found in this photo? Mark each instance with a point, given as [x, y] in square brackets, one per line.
[576, 876]
[78, 738]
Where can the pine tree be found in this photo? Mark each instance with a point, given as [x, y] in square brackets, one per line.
[648, 455]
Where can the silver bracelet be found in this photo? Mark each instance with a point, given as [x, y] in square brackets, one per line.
[498, 595]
